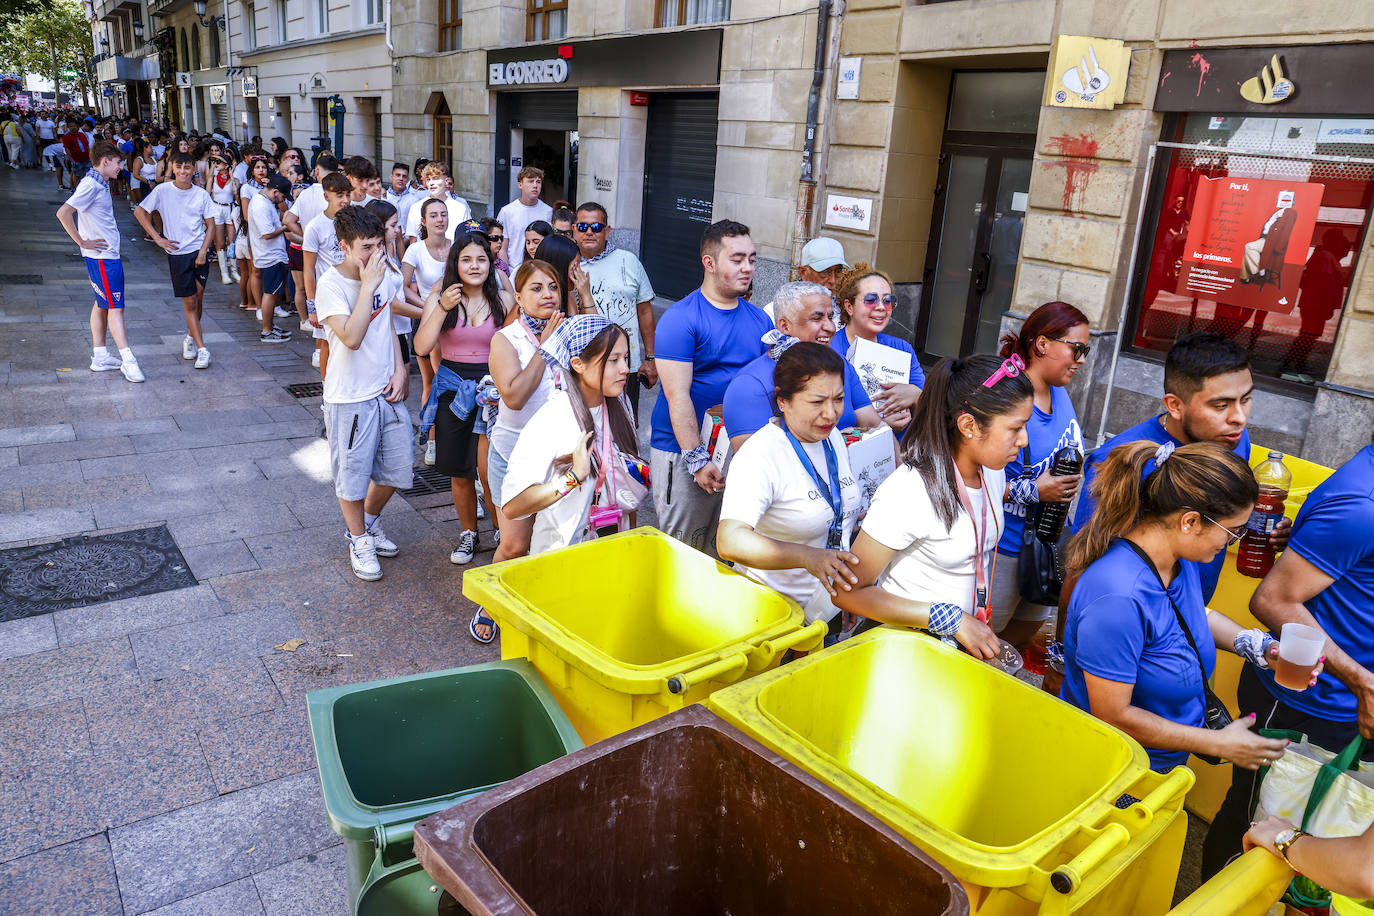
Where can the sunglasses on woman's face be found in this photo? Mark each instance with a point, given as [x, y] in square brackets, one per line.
[873, 299]
[1080, 351]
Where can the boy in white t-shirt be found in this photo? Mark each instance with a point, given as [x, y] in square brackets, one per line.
[320, 251]
[188, 226]
[268, 242]
[437, 181]
[88, 217]
[370, 446]
[522, 211]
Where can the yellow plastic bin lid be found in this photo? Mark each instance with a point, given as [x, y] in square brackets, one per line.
[637, 610]
[1002, 783]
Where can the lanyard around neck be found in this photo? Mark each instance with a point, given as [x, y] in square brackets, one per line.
[831, 492]
[982, 578]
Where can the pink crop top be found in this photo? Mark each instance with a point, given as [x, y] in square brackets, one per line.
[465, 344]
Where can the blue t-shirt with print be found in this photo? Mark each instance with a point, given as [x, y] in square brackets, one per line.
[840, 344]
[1151, 430]
[1122, 628]
[1334, 532]
[749, 398]
[1048, 433]
[717, 342]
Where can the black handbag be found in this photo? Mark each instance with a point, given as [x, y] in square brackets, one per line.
[1040, 570]
[1215, 715]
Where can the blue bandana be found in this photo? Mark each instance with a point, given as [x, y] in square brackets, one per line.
[571, 338]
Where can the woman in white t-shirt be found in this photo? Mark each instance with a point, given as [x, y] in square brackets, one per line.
[572, 453]
[401, 312]
[927, 548]
[423, 269]
[250, 287]
[791, 500]
[525, 380]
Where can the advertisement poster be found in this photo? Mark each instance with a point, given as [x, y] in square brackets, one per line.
[1248, 241]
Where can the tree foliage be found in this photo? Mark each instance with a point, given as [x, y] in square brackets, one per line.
[47, 37]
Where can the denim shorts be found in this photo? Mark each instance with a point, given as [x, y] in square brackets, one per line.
[496, 474]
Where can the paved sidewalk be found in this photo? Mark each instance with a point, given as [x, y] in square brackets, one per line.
[154, 752]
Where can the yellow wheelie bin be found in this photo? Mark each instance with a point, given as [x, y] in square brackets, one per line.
[1249, 886]
[627, 628]
[1035, 806]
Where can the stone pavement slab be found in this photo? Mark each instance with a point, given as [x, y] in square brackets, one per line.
[49, 883]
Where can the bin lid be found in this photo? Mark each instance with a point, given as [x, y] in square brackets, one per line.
[633, 610]
[990, 775]
[359, 800]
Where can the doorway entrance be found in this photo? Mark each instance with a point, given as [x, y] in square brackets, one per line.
[537, 128]
[979, 212]
[679, 187]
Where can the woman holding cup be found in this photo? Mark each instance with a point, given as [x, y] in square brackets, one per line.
[1139, 641]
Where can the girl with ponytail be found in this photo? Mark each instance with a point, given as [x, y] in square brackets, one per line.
[927, 545]
[1139, 637]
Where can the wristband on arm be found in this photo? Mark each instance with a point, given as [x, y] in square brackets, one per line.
[1253, 645]
[696, 458]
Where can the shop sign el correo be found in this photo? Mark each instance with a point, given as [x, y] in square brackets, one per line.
[523, 72]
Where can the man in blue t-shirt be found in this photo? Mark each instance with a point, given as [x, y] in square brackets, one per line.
[803, 313]
[1207, 398]
[702, 343]
[1325, 579]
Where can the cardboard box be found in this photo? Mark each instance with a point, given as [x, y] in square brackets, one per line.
[872, 457]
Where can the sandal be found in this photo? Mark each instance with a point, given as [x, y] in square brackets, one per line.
[481, 619]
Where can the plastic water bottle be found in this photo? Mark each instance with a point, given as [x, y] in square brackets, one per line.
[1050, 522]
[1254, 556]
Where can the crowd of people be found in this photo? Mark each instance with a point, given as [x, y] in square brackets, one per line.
[535, 336]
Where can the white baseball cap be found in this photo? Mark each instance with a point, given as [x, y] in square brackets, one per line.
[823, 254]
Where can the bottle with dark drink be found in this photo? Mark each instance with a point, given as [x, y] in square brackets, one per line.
[1254, 556]
[1049, 522]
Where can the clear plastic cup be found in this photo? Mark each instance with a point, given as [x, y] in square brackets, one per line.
[1300, 648]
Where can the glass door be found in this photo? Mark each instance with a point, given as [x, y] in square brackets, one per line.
[980, 209]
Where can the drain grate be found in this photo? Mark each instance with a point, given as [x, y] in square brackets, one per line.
[89, 569]
[427, 481]
[21, 279]
[306, 390]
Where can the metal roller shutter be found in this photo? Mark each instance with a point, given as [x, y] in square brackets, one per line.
[679, 187]
[544, 110]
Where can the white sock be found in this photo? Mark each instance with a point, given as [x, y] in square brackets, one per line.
[100, 352]
[368, 519]
[127, 355]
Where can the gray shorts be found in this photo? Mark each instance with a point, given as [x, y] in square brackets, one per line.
[685, 511]
[369, 441]
[1007, 603]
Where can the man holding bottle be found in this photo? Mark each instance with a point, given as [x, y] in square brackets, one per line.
[1324, 579]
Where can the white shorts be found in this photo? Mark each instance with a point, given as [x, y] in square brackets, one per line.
[224, 214]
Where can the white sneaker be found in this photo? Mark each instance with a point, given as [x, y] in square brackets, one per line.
[280, 312]
[467, 546]
[131, 370]
[106, 363]
[202, 358]
[315, 359]
[188, 347]
[307, 327]
[430, 451]
[257, 313]
[362, 555]
[481, 508]
[386, 547]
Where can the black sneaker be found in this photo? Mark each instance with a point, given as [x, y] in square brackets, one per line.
[276, 335]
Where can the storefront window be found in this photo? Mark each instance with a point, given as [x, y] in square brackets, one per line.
[1258, 224]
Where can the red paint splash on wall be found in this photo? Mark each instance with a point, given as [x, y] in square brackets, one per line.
[1079, 166]
[1203, 67]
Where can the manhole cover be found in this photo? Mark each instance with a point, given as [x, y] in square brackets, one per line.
[21, 279]
[307, 390]
[89, 569]
[427, 480]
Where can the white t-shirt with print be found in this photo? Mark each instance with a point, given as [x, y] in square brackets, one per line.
[772, 492]
[619, 284]
[95, 216]
[552, 432]
[458, 212]
[308, 205]
[361, 374]
[932, 564]
[183, 213]
[264, 217]
[514, 217]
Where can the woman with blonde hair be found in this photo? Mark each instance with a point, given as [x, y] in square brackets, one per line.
[867, 297]
[1139, 642]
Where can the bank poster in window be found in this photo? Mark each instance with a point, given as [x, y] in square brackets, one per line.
[1248, 241]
